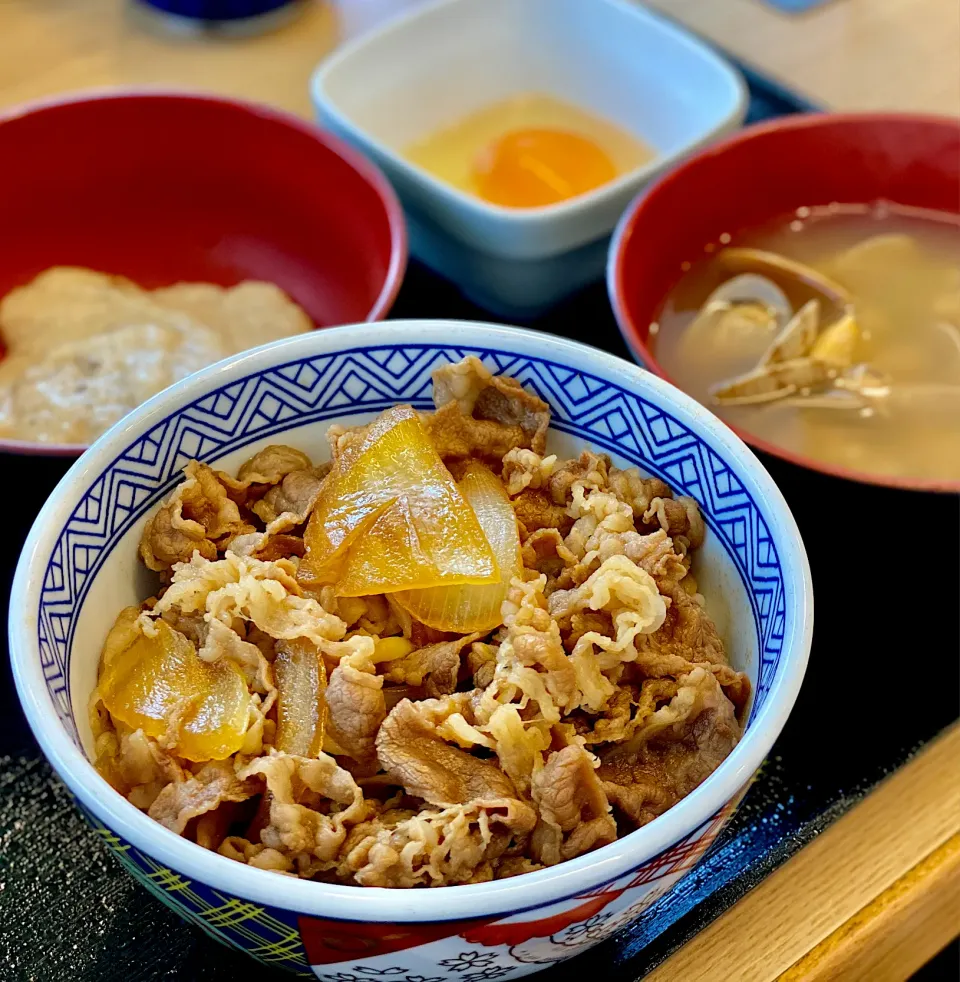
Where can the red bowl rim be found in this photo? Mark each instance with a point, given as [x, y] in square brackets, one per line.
[630, 330]
[399, 246]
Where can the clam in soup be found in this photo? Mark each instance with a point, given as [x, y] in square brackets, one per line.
[833, 334]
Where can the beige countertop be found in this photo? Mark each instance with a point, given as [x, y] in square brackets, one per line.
[848, 54]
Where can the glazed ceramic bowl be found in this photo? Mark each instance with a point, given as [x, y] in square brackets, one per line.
[445, 60]
[163, 186]
[756, 177]
[79, 567]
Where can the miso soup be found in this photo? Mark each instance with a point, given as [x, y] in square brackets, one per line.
[833, 334]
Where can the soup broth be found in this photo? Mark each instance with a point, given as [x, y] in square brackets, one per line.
[900, 273]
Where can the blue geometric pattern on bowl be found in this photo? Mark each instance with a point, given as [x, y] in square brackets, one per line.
[370, 379]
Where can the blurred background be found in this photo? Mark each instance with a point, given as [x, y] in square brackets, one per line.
[848, 54]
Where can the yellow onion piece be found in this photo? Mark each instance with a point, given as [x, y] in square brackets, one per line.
[330, 746]
[390, 517]
[152, 683]
[301, 682]
[474, 607]
[215, 725]
[147, 679]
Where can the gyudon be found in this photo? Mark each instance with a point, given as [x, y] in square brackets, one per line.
[444, 657]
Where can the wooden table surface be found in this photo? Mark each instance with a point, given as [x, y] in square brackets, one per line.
[879, 892]
[849, 54]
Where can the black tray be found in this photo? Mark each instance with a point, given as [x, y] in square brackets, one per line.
[882, 561]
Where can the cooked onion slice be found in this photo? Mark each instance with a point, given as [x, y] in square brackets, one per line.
[161, 685]
[301, 682]
[467, 607]
[749, 288]
[390, 517]
[798, 280]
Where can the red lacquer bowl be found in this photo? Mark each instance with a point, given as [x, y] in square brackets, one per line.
[162, 187]
[752, 178]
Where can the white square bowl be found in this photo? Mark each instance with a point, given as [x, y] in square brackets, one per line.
[445, 60]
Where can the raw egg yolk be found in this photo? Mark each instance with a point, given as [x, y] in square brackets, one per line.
[532, 167]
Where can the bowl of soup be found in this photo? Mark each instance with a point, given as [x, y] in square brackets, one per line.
[802, 280]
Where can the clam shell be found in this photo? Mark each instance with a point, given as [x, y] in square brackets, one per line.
[865, 381]
[781, 269]
[832, 399]
[797, 337]
[749, 288]
[740, 331]
[771, 382]
[838, 342]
